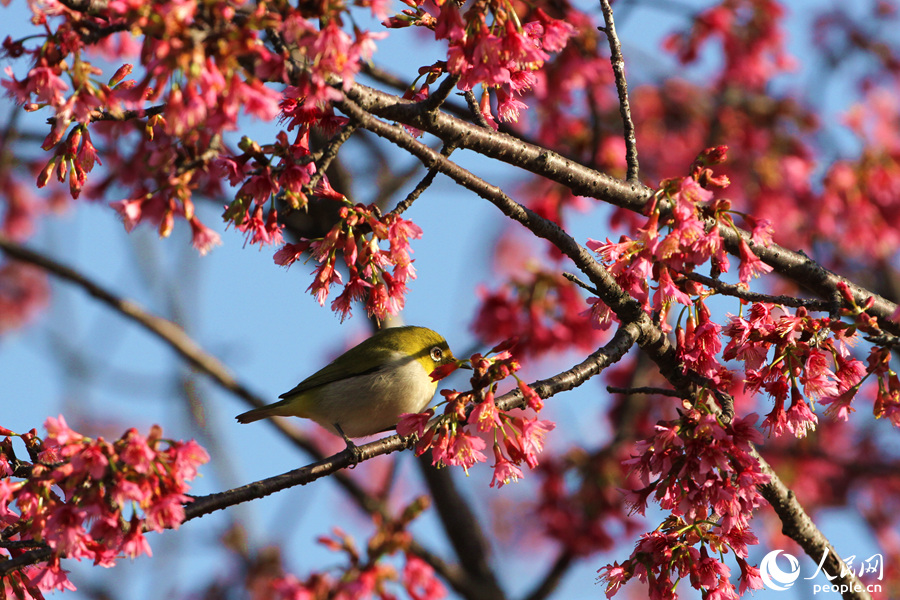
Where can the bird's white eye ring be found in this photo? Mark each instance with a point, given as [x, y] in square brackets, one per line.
[437, 354]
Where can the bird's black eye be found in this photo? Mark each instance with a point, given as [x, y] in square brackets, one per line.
[437, 354]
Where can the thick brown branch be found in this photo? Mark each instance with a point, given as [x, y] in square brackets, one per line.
[30, 557]
[798, 526]
[634, 320]
[584, 181]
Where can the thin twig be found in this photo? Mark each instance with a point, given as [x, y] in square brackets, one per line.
[618, 67]
[730, 289]
[477, 115]
[423, 185]
[328, 154]
[389, 79]
[574, 279]
[435, 100]
[166, 330]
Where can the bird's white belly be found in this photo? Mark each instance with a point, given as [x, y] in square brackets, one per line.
[367, 404]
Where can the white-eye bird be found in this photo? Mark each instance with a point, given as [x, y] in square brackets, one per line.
[366, 389]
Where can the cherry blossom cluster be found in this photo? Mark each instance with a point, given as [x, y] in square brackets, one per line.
[810, 359]
[201, 67]
[542, 308]
[377, 277]
[489, 45]
[263, 173]
[457, 438]
[681, 232]
[88, 498]
[704, 474]
[856, 206]
[363, 575]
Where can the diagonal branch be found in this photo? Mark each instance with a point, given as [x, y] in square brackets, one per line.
[610, 353]
[797, 525]
[584, 181]
[166, 330]
[646, 333]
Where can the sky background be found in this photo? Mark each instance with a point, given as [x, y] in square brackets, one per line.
[89, 364]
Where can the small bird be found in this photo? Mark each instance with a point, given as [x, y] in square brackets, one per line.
[366, 389]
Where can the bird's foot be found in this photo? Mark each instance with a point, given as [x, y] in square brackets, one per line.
[352, 449]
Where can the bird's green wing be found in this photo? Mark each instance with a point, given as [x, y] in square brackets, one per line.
[364, 358]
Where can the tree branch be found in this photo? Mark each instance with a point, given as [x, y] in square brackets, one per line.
[634, 320]
[550, 581]
[464, 532]
[423, 185]
[618, 67]
[798, 526]
[610, 353]
[730, 289]
[477, 115]
[584, 181]
[166, 330]
[328, 155]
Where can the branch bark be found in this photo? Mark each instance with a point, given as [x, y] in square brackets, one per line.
[618, 67]
[584, 181]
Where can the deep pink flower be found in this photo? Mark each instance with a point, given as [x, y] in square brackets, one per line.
[799, 419]
[290, 253]
[166, 512]
[59, 433]
[751, 265]
[134, 543]
[465, 450]
[131, 211]
[750, 577]
[531, 440]
[669, 291]
[137, 453]
[504, 469]
[615, 577]
[203, 238]
[485, 415]
[556, 33]
[52, 577]
[414, 423]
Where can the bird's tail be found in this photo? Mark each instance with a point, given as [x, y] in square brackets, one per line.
[279, 409]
